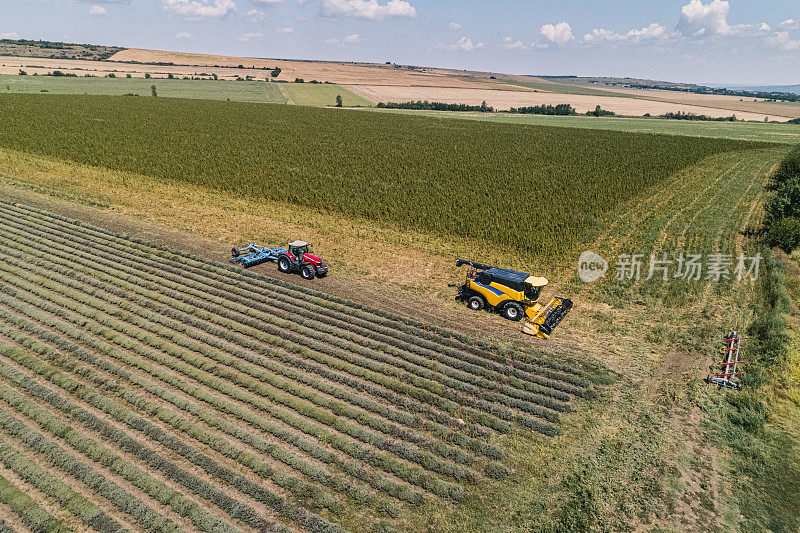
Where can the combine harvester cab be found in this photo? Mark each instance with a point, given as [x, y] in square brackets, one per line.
[513, 294]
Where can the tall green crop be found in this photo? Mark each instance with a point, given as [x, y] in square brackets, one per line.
[534, 188]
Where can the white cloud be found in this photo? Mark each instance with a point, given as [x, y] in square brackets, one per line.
[268, 2]
[350, 39]
[11, 35]
[464, 44]
[560, 33]
[367, 9]
[510, 44]
[653, 32]
[781, 40]
[454, 26]
[185, 36]
[699, 19]
[789, 24]
[97, 11]
[197, 9]
[252, 36]
[256, 15]
[285, 30]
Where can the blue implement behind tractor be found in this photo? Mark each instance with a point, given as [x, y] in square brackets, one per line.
[255, 254]
[296, 258]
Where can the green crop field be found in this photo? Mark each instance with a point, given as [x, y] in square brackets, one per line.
[321, 95]
[272, 405]
[744, 131]
[236, 91]
[306, 94]
[536, 189]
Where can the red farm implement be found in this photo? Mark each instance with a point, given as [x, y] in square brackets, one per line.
[728, 368]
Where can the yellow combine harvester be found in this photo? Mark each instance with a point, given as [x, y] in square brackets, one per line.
[514, 295]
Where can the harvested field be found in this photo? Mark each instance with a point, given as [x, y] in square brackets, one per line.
[735, 104]
[150, 387]
[504, 100]
[334, 72]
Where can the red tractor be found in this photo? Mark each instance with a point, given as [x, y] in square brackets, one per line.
[296, 258]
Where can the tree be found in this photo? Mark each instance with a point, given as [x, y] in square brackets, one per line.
[215, 76]
[147, 75]
[339, 100]
[276, 72]
[22, 72]
[170, 76]
[128, 76]
[112, 75]
[153, 90]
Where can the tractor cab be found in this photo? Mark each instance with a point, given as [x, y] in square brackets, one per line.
[298, 248]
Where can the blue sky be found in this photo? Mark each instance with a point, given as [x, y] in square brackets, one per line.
[712, 41]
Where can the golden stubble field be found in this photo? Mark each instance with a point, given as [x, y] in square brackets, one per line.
[228, 67]
[582, 103]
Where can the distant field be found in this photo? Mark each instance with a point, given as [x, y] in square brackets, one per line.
[237, 91]
[745, 131]
[309, 94]
[505, 99]
[564, 88]
[531, 188]
[318, 94]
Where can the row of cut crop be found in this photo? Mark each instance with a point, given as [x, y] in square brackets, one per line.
[33, 516]
[414, 475]
[276, 337]
[352, 467]
[96, 452]
[499, 363]
[258, 387]
[113, 434]
[160, 314]
[375, 373]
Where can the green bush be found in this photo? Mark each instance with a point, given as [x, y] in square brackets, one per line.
[784, 233]
[782, 213]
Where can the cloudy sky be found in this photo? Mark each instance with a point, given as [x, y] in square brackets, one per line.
[705, 41]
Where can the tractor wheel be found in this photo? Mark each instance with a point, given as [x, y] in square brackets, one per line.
[235, 252]
[475, 303]
[513, 311]
[284, 265]
[308, 272]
